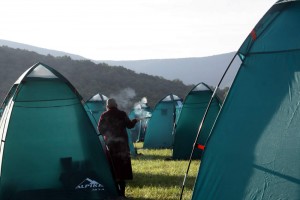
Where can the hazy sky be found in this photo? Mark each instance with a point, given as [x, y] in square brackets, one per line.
[132, 29]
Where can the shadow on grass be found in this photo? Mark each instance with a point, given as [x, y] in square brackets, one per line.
[151, 157]
[158, 157]
[166, 181]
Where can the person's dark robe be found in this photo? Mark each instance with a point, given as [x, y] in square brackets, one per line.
[112, 125]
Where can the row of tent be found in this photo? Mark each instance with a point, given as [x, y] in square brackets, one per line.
[44, 111]
[250, 146]
[251, 151]
[174, 122]
[169, 124]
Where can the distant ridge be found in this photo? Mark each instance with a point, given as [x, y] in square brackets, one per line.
[39, 50]
[189, 70]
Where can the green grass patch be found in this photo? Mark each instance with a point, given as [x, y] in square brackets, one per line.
[156, 177]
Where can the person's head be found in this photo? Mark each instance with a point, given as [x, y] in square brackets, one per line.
[111, 103]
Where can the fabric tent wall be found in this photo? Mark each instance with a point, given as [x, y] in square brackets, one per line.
[253, 152]
[7, 99]
[192, 112]
[49, 147]
[96, 105]
[159, 132]
[177, 112]
[133, 151]
[143, 112]
[135, 131]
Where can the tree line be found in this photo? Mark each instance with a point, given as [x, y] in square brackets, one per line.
[90, 78]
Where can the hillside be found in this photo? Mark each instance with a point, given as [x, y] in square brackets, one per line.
[90, 78]
[190, 70]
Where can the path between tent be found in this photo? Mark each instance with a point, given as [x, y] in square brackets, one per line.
[157, 177]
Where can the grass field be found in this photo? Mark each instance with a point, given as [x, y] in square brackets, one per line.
[155, 177]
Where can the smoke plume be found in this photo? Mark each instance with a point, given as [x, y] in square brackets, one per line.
[124, 98]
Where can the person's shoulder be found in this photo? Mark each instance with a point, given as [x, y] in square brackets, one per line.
[123, 112]
[105, 113]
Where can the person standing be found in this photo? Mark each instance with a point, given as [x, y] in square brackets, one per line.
[112, 125]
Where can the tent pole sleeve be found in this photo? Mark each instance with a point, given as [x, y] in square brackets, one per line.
[201, 124]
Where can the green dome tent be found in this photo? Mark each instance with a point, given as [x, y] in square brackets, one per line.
[144, 112]
[192, 112]
[254, 147]
[49, 147]
[96, 105]
[159, 132]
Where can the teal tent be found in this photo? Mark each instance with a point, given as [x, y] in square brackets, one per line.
[192, 112]
[254, 147]
[142, 111]
[49, 147]
[133, 151]
[96, 105]
[159, 132]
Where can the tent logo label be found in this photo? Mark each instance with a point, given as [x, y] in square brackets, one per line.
[90, 184]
